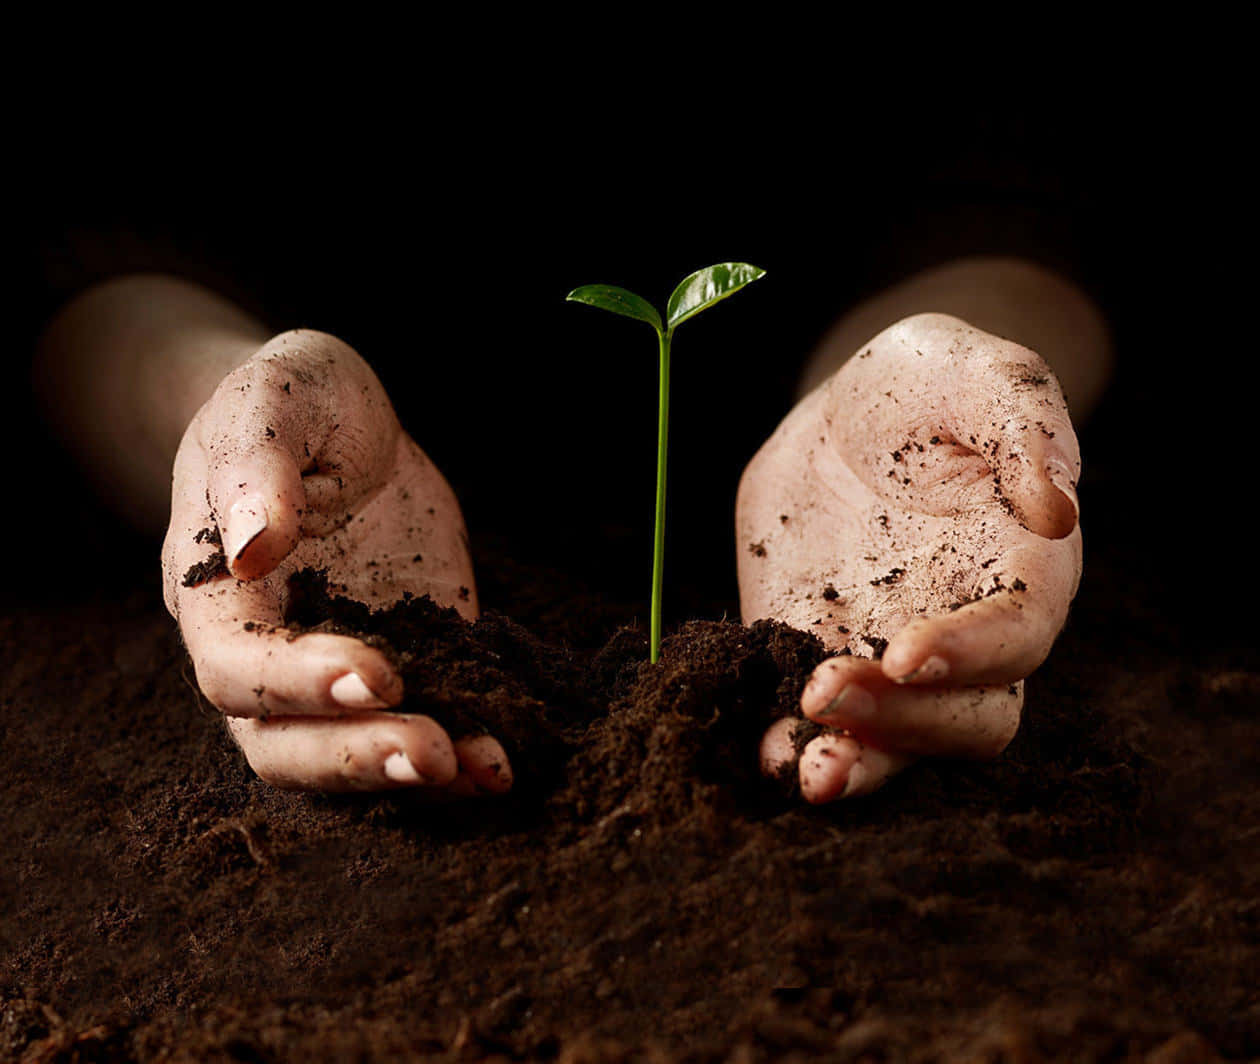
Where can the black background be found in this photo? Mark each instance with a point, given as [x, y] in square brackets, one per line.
[440, 237]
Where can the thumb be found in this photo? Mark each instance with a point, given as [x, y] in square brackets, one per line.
[1035, 482]
[1010, 409]
[256, 495]
[252, 433]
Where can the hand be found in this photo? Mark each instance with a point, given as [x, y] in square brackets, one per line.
[920, 503]
[299, 461]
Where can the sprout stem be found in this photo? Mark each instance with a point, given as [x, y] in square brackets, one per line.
[662, 447]
[694, 293]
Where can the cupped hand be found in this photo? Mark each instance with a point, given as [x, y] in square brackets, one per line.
[918, 513]
[297, 461]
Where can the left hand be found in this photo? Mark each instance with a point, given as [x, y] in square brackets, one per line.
[299, 461]
[922, 503]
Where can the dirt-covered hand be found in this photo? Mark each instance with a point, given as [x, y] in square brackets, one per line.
[918, 513]
[296, 461]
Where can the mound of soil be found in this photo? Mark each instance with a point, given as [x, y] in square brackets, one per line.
[716, 689]
[1091, 895]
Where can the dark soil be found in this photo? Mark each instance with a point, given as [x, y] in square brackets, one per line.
[1094, 894]
[716, 689]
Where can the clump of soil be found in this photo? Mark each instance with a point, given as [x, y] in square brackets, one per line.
[716, 689]
[214, 564]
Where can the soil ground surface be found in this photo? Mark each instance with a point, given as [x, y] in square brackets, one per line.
[1094, 894]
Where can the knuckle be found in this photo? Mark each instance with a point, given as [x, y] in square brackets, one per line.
[240, 382]
[925, 321]
[309, 355]
[264, 768]
[311, 341]
[359, 452]
[325, 657]
[274, 767]
[214, 685]
[1006, 720]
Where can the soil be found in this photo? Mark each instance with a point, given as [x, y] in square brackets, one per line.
[717, 688]
[1094, 894]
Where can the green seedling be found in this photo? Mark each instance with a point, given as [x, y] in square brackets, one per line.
[695, 293]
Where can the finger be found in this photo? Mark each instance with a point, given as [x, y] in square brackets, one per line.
[246, 663]
[259, 670]
[257, 497]
[968, 722]
[1008, 406]
[296, 439]
[1004, 633]
[374, 751]
[825, 764]
[872, 769]
[484, 763]
[778, 751]
[837, 766]
[253, 477]
[832, 676]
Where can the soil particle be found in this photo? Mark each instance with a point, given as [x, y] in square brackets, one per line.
[209, 535]
[205, 571]
[891, 577]
[878, 645]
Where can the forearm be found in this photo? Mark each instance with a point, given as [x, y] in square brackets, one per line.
[122, 369]
[1008, 297]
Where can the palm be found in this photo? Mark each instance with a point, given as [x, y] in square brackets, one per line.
[406, 536]
[916, 502]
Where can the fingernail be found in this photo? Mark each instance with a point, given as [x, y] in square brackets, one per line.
[857, 777]
[350, 691]
[246, 521]
[934, 669]
[1061, 477]
[853, 703]
[398, 767]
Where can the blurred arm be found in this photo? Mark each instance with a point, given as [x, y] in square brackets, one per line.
[122, 369]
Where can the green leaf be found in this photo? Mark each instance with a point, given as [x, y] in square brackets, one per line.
[619, 301]
[708, 286]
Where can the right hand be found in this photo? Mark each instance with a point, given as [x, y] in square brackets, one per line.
[919, 505]
[299, 461]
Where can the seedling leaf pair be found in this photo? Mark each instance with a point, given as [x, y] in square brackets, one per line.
[694, 293]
